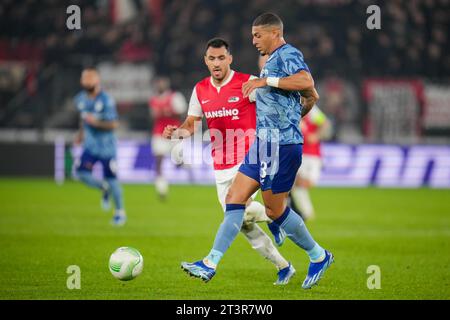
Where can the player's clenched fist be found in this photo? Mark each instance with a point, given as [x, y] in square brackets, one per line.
[168, 131]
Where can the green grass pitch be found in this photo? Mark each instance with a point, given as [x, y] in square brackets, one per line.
[44, 228]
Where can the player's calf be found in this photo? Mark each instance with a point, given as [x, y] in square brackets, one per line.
[279, 234]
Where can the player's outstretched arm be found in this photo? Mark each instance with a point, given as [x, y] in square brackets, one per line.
[300, 81]
[186, 130]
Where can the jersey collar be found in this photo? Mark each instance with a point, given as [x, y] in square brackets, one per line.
[271, 55]
[230, 76]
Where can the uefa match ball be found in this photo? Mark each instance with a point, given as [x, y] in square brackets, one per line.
[126, 263]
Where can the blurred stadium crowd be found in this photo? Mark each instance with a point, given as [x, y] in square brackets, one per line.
[40, 59]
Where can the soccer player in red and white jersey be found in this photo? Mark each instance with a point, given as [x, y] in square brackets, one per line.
[165, 108]
[315, 127]
[231, 119]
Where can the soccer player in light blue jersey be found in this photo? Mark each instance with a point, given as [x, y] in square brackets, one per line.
[98, 122]
[275, 157]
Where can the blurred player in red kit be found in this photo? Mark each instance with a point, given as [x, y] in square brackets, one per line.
[315, 127]
[165, 107]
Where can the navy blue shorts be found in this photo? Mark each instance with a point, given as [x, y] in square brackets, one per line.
[88, 160]
[273, 166]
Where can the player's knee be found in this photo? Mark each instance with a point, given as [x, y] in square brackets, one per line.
[270, 213]
[228, 197]
[274, 212]
[234, 198]
[307, 184]
[301, 182]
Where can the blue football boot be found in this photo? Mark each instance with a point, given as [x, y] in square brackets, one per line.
[199, 270]
[284, 275]
[316, 270]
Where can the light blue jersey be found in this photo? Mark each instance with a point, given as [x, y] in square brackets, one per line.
[99, 143]
[278, 111]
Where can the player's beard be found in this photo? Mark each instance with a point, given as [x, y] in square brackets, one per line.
[89, 89]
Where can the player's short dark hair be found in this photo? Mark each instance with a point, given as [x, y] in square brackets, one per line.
[90, 68]
[218, 43]
[268, 19]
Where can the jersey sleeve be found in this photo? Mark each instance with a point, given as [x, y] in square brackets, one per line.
[293, 61]
[252, 96]
[179, 103]
[109, 110]
[195, 109]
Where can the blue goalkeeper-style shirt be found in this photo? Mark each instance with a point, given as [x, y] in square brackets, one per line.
[99, 143]
[278, 111]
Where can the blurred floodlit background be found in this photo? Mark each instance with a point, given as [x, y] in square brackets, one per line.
[385, 91]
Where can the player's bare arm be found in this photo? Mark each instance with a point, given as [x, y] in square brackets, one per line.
[300, 81]
[100, 124]
[186, 130]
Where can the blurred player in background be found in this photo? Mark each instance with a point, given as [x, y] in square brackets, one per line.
[165, 108]
[284, 79]
[231, 119]
[98, 121]
[315, 127]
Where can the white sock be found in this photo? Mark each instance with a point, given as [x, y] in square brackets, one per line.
[161, 185]
[120, 212]
[261, 242]
[303, 201]
[256, 212]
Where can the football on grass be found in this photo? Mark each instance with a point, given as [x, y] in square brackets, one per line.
[126, 263]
